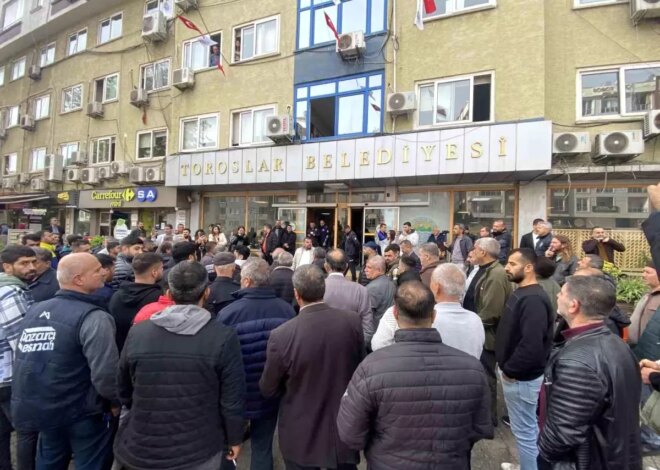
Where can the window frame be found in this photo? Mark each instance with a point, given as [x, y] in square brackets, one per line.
[4, 164]
[110, 19]
[153, 65]
[36, 4]
[252, 110]
[76, 34]
[598, 3]
[463, 11]
[34, 104]
[19, 15]
[82, 96]
[13, 64]
[3, 73]
[95, 142]
[196, 39]
[199, 117]
[151, 132]
[31, 159]
[45, 49]
[103, 99]
[254, 24]
[7, 116]
[66, 157]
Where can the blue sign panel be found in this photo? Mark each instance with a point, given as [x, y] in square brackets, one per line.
[147, 194]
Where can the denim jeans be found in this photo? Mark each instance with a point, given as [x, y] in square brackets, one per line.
[26, 442]
[521, 400]
[89, 440]
[261, 442]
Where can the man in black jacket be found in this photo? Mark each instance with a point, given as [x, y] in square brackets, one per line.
[181, 378]
[592, 387]
[529, 239]
[398, 385]
[223, 286]
[501, 234]
[522, 347]
[352, 247]
[281, 277]
[45, 284]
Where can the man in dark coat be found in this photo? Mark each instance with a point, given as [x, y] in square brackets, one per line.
[543, 239]
[289, 239]
[269, 242]
[281, 277]
[501, 234]
[352, 247]
[529, 239]
[298, 361]
[401, 382]
[224, 285]
[45, 284]
[602, 245]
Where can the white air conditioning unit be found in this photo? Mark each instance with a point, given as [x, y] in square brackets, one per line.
[89, 176]
[34, 72]
[78, 158]
[617, 146]
[3, 133]
[104, 172]
[23, 178]
[281, 129]
[570, 143]
[652, 124]
[27, 122]
[351, 45]
[155, 174]
[54, 167]
[186, 5]
[154, 26]
[136, 175]
[73, 175]
[38, 184]
[139, 97]
[642, 9]
[9, 182]
[183, 78]
[401, 103]
[95, 109]
[120, 168]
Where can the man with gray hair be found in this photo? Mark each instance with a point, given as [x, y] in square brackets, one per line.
[458, 327]
[381, 288]
[543, 238]
[460, 246]
[281, 277]
[429, 255]
[254, 315]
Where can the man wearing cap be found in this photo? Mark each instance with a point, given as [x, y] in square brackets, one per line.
[224, 286]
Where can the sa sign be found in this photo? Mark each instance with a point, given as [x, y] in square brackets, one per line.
[147, 194]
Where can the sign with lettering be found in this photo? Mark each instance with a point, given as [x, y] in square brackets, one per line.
[147, 194]
[115, 196]
[501, 148]
[133, 197]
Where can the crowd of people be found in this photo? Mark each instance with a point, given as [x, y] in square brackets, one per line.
[169, 351]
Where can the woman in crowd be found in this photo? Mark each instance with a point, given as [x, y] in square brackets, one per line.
[238, 239]
[218, 237]
[561, 252]
[391, 237]
[200, 241]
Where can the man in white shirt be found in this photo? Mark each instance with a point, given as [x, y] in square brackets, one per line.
[168, 235]
[408, 233]
[304, 255]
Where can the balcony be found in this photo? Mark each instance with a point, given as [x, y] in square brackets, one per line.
[605, 209]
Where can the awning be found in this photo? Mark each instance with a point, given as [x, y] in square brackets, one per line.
[20, 198]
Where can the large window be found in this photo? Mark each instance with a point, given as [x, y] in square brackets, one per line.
[12, 12]
[249, 126]
[41, 107]
[626, 90]
[18, 68]
[9, 163]
[37, 159]
[106, 89]
[450, 7]
[346, 107]
[72, 98]
[199, 133]
[155, 76]
[152, 144]
[77, 42]
[478, 209]
[11, 116]
[199, 54]
[256, 39]
[47, 55]
[102, 150]
[463, 99]
[368, 16]
[67, 150]
[110, 28]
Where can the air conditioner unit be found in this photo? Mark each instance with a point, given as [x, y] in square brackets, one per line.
[652, 124]
[78, 158]
[54, 167]
[34, 72]
[281, 129]
[642, 9]
[139, 97]
[136, 175]
[155, 174]
[351, 45]
[183, 78]
[617, 146]
[104, 173]
[95, 109]
[9, 182]
[38, 184]
[73, 175]
[154, 26]
[186, 5]
[120, 168]
[401, 103]
[570, 143]
[23, 178]
[89, 176]
[27, 122]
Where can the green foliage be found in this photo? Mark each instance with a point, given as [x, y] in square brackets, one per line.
[96, 240]
[612, 270]
[630, 290]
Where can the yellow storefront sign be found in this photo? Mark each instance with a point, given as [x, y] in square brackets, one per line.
[116, 197]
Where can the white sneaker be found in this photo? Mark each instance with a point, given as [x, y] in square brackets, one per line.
[510, 466]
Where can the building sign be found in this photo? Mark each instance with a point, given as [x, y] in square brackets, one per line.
[135, 197]
[35, 212]
[523, 148]
[115, 196]
[147, 194]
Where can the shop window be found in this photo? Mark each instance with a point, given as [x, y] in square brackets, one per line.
[476, 211]
[47, 55]
[449, 101]
[450, 7]
[199, 133]
[18, 68]
[77, 42]
[102, 150]
[11, 116]
[37, 159]
[155, 76]
[9, 163]
[200, 54]
[152, 144]
[355, 15]
[249, 126]
[67, 150]
[106, 89]
[256, 39]
[41, 107]
[2, 75]
[12, 13]
[72, 98]
[110, 28]
[348, 107]
[434, 210]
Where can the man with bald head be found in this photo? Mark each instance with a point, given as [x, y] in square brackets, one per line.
[65, 370]
[381, 289]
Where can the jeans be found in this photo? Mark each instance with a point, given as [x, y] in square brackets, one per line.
[489, 362]
[26, 442]
[648, 437]
[90, 441]
[261, 441]
[521, 399]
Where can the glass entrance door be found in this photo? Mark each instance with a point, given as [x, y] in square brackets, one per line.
[297, 217]
[374, 216]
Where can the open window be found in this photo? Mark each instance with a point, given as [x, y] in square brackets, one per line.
[201, 54]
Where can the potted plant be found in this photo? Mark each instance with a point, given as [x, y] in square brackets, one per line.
[629, 291]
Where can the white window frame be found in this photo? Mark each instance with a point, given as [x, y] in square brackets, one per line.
[22, 68]
[110, 20]
[37, 153]
[622, 115]
[43, 52]
[95, 143]
[151, 132]
[5, 159]
[198, 118]
[103, 99]
[206, 59]
[234, 112]
[143, 68]
[2, 75]
[38, 107]
[458, 78]
[19, 14]
[254, 51]
[76, 34]
[82, 97]
[36, 4]
[457, 10]
[65, 150]
[9, 111]
[599, 3]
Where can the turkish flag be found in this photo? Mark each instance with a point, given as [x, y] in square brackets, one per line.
[222, 69]
[429, 6]
[331, 25]
[189, 24]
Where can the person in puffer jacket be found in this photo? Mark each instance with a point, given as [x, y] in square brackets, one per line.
[417, 404]
[131, 245]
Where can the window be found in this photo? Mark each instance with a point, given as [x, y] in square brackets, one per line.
[11, 116]
[347, 107]
[106, 88]
[38, 159]
[36, 4]
[584, 3]
[110, 28]
[466, 99]
[9, 163]
[12, 12]
[18, 68]
[582, 204]
[450, 7]
[249, 126]
[47, 55]
[256, 39]
[2, 75]
[616, 92]
[477, 211]
[67, 150]
[77, 42]
[41, 107]
[155, 76]
[198, 54]
[72, 98]
[199, 133]
[102, 150]
[152, 144]
[355, 15]
[163, 5]
[638, 205]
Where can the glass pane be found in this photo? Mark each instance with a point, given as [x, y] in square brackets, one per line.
[325, 89]
[297, 218]
[208, 132]
[198, 56]
[144, 145]
[301, 117]
[11, 13]
[82, 41]
[162, 76]
[304, 3]
[374, 217]
[351, 115]
[303, 29]
[190, 134]
[260, 124]
[229, 211]
[116, 27]
[377, 16]
[160, 143]
[76, 97]
[442, 7]
[247, 42]
[600, 93]
[374, 112]
[453, 101]
[354, 16]
[474, 3]
[375, 81]
[352, 84]
[111, 88]
[322, 32]
[72, 45]
[246, 128]
[477, 209]
[640, 86]
[261, 211]
[301, 92]
[105, 32]
[426, 101]
[148, 77]
[267, 37]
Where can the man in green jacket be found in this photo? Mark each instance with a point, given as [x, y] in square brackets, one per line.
[486, 295]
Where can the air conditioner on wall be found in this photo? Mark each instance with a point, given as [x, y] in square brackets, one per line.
[89, 176]
[617, 147]
[104, 173]
[23, 178]
[95, 109]
[351, 45]
[401, 103]
[183, 78]
[120, 167]
[136, 174]
[38, 184]
[139, 97]
[154, 26]
[566, 144]
[27, 122]
[281, 129]
[186, 5]
[643, 9]
[652, 124]
[9, 182]
[54, 167]
[73, 175]
[155, 174]
[34, 72]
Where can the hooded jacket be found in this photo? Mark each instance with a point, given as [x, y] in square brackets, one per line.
[14, 302]
[127, 302]
[153, 308]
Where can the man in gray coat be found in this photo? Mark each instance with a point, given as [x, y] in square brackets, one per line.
[381, 289]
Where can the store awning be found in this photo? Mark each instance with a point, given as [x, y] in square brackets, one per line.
[21, 198]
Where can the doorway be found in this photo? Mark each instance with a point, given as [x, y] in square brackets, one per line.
[325, 214]
[357, 222]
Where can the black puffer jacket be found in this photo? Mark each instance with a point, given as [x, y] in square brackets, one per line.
[591, 418]
[417, 404]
